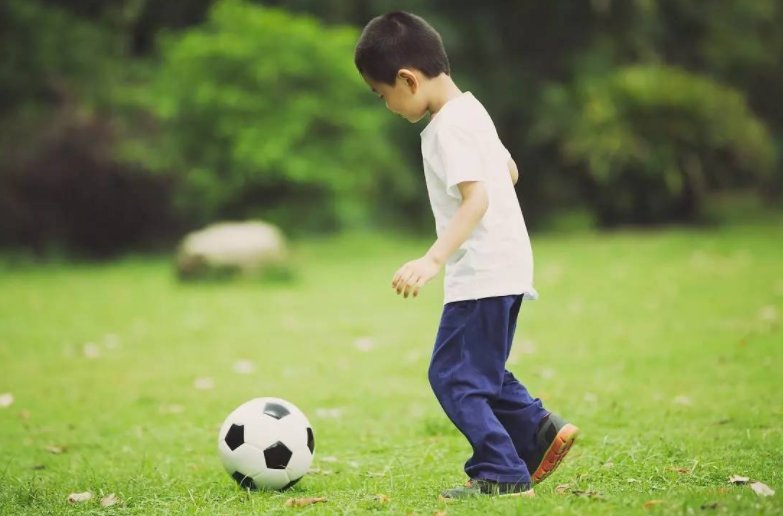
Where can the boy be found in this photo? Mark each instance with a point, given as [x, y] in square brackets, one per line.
[483, 243]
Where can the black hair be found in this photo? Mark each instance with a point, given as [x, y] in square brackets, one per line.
[399, 40]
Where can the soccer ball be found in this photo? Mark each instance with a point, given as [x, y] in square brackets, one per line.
[266, 443]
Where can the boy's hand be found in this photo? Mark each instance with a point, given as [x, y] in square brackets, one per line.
[409, 279]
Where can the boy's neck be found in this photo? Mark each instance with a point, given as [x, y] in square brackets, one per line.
[440, 90]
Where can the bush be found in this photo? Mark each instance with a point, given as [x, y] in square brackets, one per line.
[262, 114]
[65, 191]
[653, 141]
[61, 188]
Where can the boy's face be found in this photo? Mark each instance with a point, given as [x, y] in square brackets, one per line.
[405, 97]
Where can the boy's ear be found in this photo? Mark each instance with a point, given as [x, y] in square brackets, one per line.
[409, 78]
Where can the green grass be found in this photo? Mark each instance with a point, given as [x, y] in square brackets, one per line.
[666, 348]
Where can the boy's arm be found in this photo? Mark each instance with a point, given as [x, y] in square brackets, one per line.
[512, 169]
[411, 276]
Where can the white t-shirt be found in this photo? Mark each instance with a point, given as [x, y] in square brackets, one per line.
[460, 144]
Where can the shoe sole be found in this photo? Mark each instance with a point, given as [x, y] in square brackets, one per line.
[556, 452]
[522, 494]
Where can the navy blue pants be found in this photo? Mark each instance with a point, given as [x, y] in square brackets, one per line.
[484, 401]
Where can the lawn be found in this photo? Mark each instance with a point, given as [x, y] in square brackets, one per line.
[665, 347]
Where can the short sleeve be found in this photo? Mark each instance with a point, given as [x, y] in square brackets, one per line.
[460, 157]
[506, 153]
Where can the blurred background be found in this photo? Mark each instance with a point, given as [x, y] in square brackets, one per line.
[126, 123]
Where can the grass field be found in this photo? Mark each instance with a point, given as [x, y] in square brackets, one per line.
[666, 348]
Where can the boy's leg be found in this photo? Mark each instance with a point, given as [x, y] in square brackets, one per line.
[518, 412]
[542, 439]
[466, 373]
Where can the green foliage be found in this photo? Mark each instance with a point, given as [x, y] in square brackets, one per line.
[653, 140]
[263, 114]
[61, 189]
[46, 52]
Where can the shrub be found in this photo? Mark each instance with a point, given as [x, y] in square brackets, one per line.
[652, 141]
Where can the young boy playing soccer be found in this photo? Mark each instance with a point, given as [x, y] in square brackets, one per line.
[483, 244]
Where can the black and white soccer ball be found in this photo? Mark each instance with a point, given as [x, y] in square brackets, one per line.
[266, 443]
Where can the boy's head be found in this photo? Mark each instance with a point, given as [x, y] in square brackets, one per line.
[396, 53]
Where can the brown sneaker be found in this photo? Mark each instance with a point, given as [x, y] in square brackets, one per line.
[554, 438]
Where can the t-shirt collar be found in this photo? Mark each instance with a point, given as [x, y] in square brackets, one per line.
[447, 106]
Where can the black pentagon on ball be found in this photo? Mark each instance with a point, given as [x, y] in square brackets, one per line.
[276, 410]
[235, 436]
[244, 482]
[277, 456]
[310, 439]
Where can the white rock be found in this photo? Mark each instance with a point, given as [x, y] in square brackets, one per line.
[246, 247]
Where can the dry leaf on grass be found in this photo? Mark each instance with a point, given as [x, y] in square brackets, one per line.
[109, 500]
[91, 350]
[6, 399]
[111, 341]
[761, 489]
[301, 502]
[204, 383]
[171, 409]
[244, 367]
[335, 413]
[738, 479]
[569, 489]
[768, 313]
[56, 449]
[364, 344]
[79, 497]
[587, 494]
[685, 401]
[649, 504]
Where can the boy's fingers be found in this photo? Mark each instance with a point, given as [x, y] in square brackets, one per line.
[397, 276]
[405, 281]
[410, 284]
